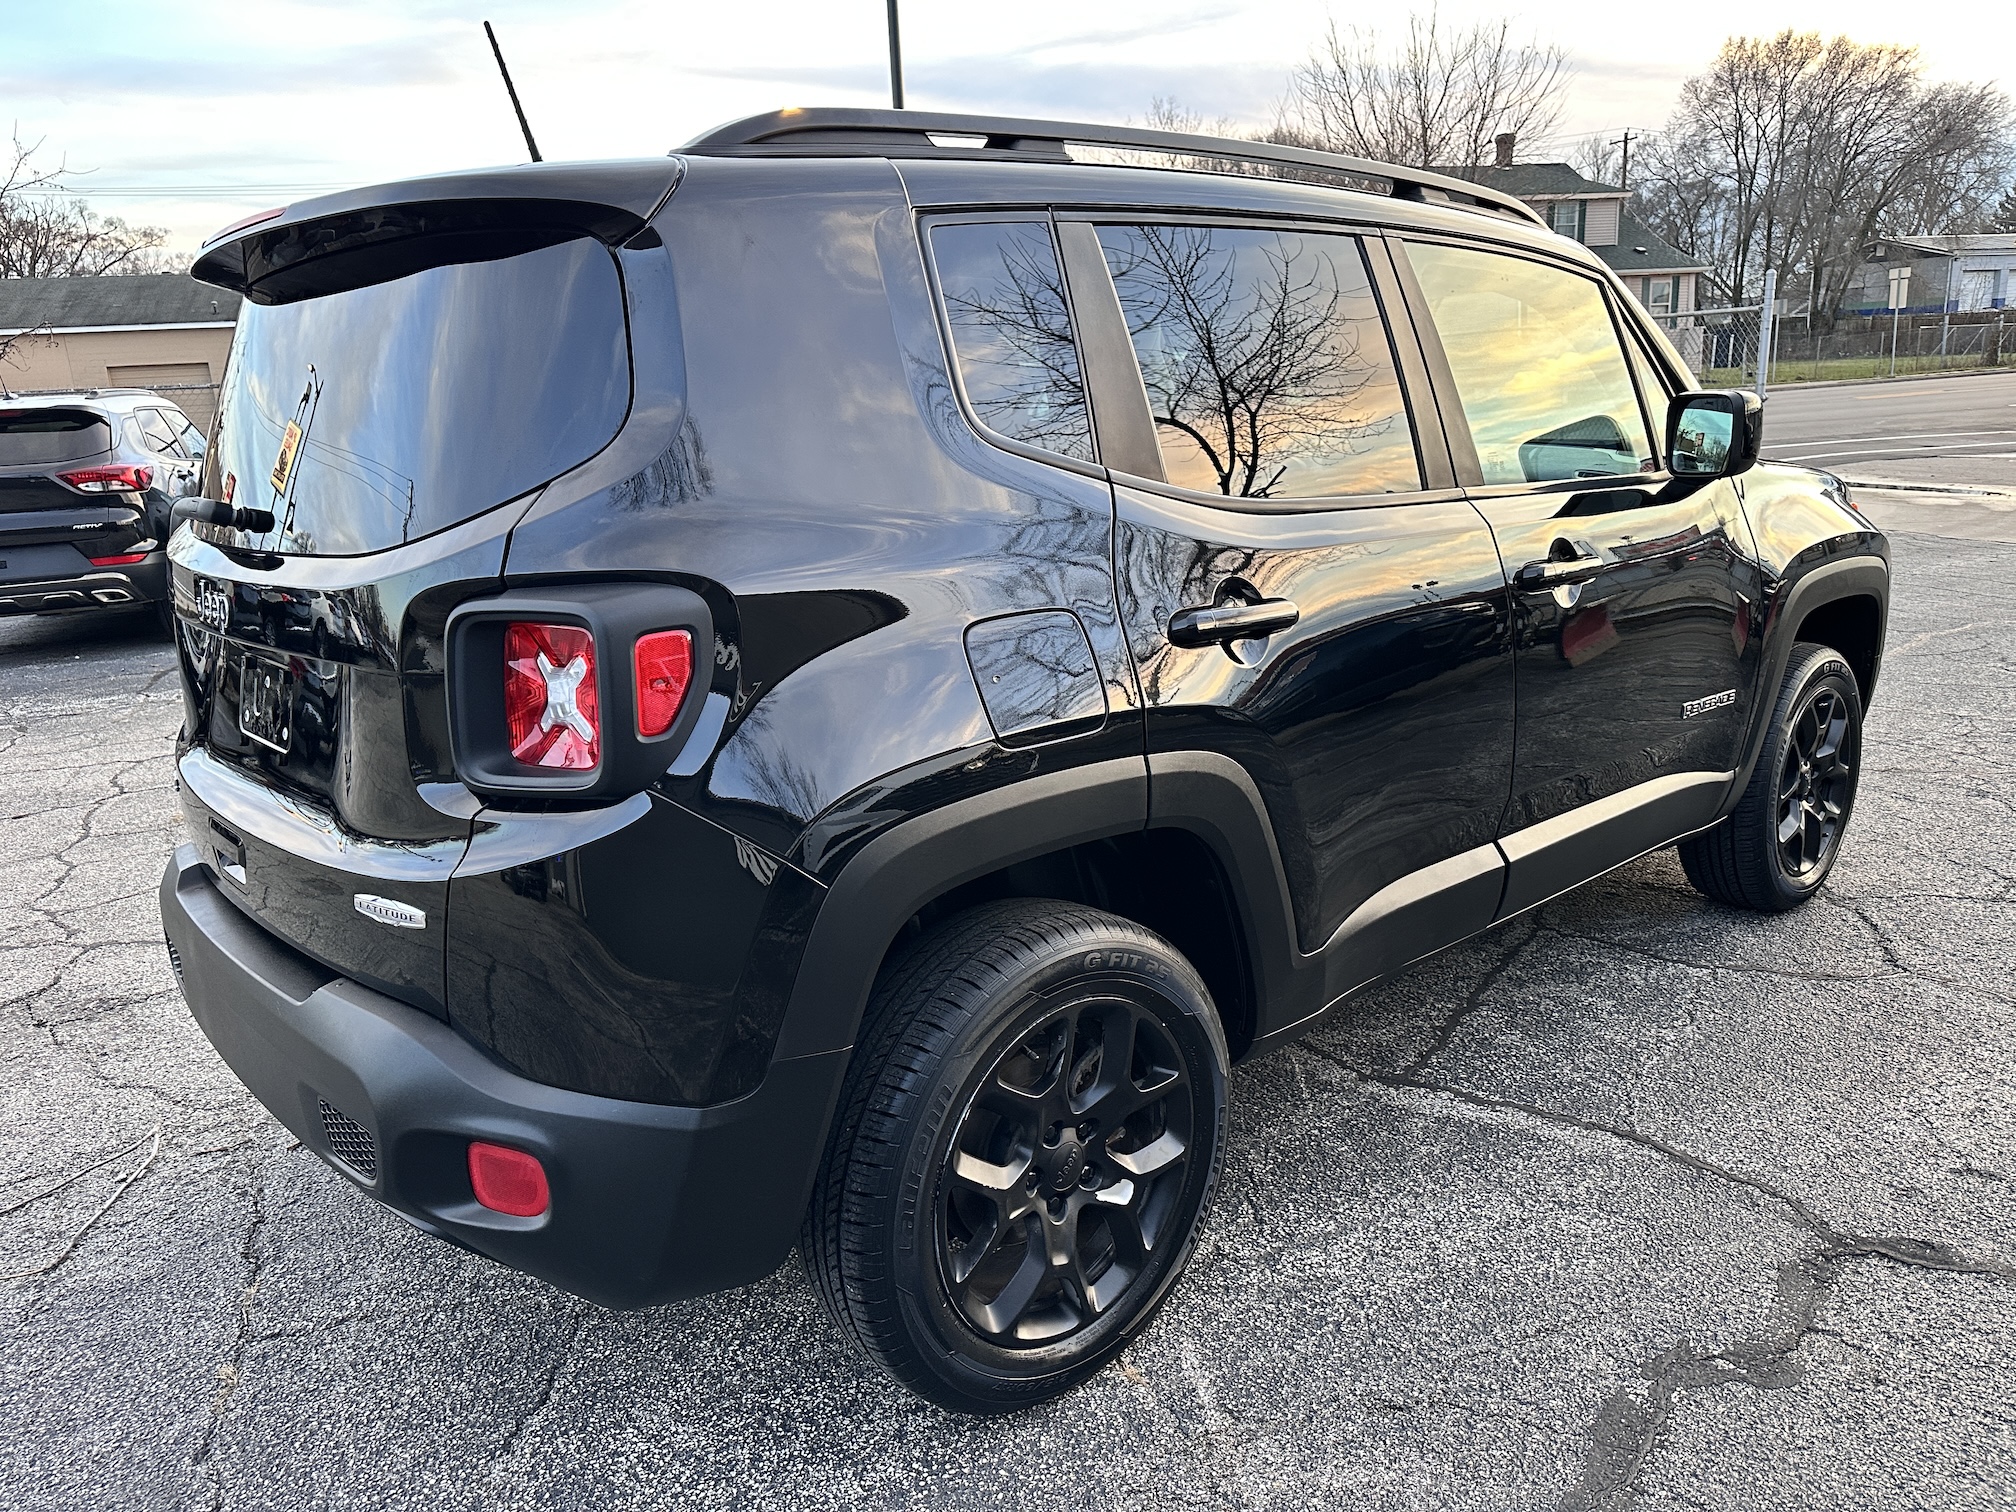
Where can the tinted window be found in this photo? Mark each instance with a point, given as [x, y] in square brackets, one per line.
[410, 405]
[1537, 364]
[158, 435]
[29, 436]
[190, 437]
[1268, 368]
[1653, 385]
[1011, 328]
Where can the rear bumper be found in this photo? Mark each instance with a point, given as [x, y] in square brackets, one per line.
[649, 1203]
[100, 588]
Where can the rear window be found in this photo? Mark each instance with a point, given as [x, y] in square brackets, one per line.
[379, 415]
[32, 436]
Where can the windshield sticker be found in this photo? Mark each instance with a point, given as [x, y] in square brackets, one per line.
[290, 446]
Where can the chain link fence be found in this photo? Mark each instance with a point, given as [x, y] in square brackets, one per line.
[1721, 346]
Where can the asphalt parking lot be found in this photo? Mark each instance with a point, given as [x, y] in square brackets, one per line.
[1635, 1203]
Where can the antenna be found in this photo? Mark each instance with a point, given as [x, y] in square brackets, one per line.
[895, 59]
[510, 89]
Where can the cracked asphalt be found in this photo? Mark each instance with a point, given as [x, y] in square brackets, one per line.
[1635, 1203]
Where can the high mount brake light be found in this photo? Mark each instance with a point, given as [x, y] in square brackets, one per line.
[121, 479]
[551, 709]
[664, 665]
[507, 1180]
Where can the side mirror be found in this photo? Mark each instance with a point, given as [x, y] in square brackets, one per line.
[1713, 433]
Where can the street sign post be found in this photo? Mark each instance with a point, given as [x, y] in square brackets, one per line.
[1900, 288]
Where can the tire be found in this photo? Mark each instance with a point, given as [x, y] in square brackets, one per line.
[164, 616]
[1781, 840]
[982, 1039]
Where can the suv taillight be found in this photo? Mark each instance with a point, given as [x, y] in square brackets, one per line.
[580, 692]
[120, 479]
[664, 668]
[550, 707]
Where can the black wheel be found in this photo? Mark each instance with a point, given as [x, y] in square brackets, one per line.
[1028, 1141]
[1777, 846]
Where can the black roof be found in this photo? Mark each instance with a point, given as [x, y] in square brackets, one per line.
[1526, 180]
[137, 299]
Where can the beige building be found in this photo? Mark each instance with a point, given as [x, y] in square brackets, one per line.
[160, 331]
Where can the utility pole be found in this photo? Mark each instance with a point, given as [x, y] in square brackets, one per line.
[895, 60]
[1624, 174]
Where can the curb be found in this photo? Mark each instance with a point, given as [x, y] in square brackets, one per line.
[1884, 485]
[1814, 383]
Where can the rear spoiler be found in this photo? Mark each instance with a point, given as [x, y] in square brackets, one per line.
[368, 236]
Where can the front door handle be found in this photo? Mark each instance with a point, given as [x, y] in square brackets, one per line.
[1558, 572]
[1222, 623]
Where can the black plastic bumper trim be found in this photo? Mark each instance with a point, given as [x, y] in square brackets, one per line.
[650, 1203]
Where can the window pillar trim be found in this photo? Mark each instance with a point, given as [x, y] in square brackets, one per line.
[1122, 420]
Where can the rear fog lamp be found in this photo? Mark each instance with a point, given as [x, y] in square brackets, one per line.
[507, 1180]
[551, 710]
[664, 670]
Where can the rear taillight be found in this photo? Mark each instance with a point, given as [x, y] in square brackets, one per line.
[551, 711]
[664, 670]
[121, 479]
[507, 1180]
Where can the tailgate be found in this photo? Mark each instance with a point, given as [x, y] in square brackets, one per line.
[311, 748]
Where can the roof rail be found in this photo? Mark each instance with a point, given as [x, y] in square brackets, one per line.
[836, 132]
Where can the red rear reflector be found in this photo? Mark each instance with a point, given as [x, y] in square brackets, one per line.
[550, 707]
[120, 479]
[127, 560]
[508, 1180]
[664, 669]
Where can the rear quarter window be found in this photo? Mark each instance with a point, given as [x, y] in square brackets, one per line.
[1011, 333]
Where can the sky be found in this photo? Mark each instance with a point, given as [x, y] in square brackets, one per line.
[191, 114]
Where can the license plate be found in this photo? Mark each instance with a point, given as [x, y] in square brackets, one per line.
[266, 703]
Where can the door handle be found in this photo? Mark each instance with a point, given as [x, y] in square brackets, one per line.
[1557, 572]
[1222, 623]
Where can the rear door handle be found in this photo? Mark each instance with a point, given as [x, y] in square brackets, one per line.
[1557, 572]
[1222, 623]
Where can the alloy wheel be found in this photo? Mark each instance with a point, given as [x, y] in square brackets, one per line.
[1816, 785]
[1064, 1175]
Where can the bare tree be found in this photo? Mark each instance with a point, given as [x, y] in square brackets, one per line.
[1438, 98]
[1791, 153]
[47, 232]
[1261, 368]
[1598, 157]
[2003, 218]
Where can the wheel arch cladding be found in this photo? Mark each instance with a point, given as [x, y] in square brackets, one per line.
[1853, 626]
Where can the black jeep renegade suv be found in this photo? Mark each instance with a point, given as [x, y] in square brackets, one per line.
[824, 689]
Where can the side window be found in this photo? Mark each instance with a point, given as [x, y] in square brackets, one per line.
[1653, 384]
[190, 437]
[1268, 367]
[1543, 381]
[156, 433]
[1011, 332]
